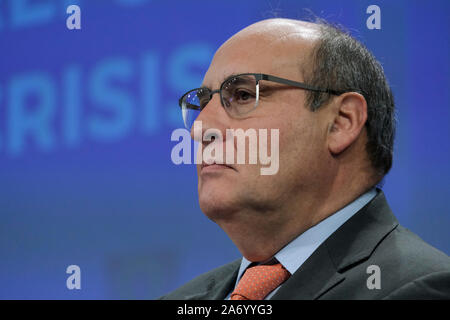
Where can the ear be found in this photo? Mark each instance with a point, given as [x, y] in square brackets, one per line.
[349, 119]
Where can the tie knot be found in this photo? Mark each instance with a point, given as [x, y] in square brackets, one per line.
[257, 282]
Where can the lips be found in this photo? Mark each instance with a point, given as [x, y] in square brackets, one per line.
[215, 166]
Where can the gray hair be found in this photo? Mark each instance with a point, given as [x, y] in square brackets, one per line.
[340, 62]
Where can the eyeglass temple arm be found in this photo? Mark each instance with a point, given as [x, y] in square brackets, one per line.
[298, 84]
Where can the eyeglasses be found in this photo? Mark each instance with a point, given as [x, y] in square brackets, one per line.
[239, 94]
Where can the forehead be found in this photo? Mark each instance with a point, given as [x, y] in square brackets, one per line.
[270, 47]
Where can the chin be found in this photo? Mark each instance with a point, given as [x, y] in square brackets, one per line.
[217, 206]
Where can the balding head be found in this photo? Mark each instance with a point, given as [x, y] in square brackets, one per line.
[326, 56]
[322, 160]
[278, 44]
[281, 28]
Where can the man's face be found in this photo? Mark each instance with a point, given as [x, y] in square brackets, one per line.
[229, 193]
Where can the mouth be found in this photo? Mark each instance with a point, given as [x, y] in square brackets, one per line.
[214, 167]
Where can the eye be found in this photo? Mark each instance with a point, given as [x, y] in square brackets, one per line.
[243, 96]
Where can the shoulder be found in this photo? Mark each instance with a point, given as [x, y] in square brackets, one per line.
[203, 284]
[433, 286]
[416, 269]
[373, 246]
[410, 253]
[408, 267]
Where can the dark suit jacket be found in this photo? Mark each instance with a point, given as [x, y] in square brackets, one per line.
[409, 267]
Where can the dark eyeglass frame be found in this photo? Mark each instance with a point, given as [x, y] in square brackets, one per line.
[258, 77]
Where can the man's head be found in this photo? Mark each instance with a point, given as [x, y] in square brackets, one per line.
[329, 145]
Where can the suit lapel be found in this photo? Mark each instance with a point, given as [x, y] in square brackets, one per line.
[356, 239]
[223, 286]
[353, 242]
[219, 285]
[316, 276]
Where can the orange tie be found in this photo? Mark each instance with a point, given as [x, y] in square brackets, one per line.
[257, 282]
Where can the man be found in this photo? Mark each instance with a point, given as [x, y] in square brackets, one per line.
[318, 228]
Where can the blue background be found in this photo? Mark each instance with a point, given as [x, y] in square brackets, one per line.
[86, 116]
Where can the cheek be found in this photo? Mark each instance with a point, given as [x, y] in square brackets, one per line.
[300, 145]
